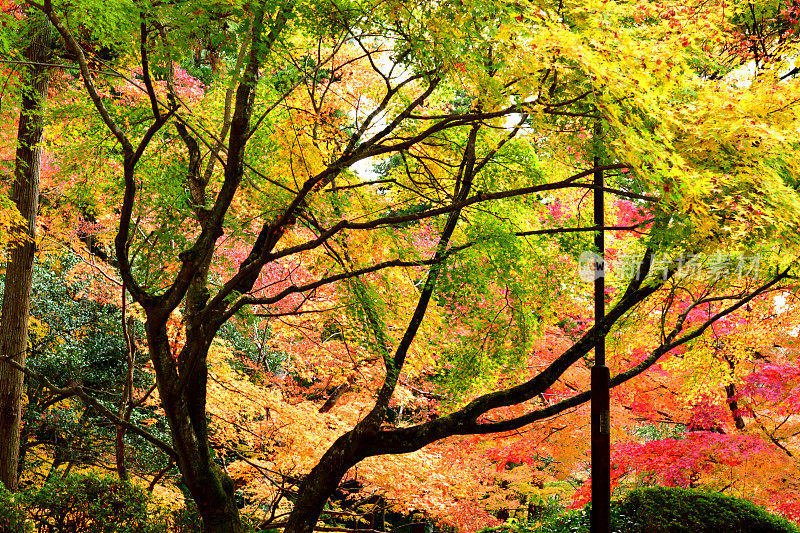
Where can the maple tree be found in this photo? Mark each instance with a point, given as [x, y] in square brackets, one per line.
[235, 201]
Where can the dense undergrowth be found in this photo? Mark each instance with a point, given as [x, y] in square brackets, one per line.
[104, 504]
[91, 504]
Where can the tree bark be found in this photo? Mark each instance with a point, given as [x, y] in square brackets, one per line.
[323, 479]
[730, 393]
[19, 271]
[733, 405]
[210, 486]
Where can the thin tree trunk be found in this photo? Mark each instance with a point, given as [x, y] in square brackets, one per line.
[126, 403]
[733, 405]
[19, 271]
[730, 393]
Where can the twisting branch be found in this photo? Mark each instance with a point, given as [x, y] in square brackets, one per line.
[244, 279]
[394, 366]
[464, 421]
[148, 81]
[130, 154]
[193, 258]
[294, 289]
[671, 342]
[77, 390]
[76, 49]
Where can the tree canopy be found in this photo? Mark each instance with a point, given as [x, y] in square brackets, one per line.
[326, 247]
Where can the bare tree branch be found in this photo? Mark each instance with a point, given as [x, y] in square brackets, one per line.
[77, 390]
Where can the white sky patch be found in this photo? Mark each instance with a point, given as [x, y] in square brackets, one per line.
[779, 303]
[780, 306]
[364, 169]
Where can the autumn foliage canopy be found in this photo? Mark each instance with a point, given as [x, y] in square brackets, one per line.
[318, 263]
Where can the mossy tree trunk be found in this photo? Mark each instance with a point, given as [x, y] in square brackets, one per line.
[19, 270]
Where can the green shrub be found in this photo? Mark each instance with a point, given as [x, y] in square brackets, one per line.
[182, 520]
[577, 521]
[96, 504]
[667, 510]
[87, 504]
[675, 510]
[12, 515]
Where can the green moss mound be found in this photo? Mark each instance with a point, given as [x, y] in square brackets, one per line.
[675, 510]
[668, 510]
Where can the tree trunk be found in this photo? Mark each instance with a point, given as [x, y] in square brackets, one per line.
[126, 403]
[730, 393]
[210, 486]
[323, 479]
[19, 271]
[733, 405]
